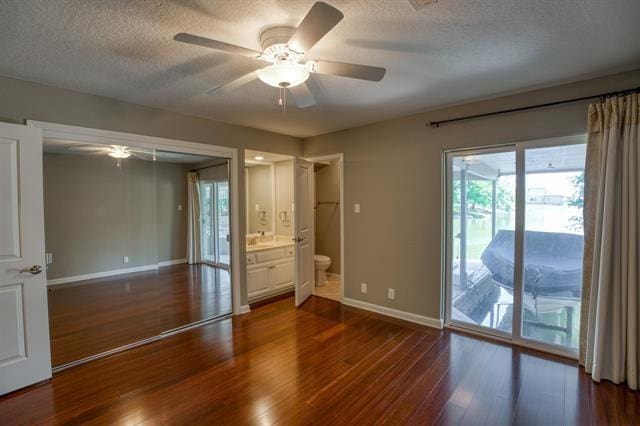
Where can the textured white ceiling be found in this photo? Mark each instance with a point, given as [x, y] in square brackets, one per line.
[447, 52]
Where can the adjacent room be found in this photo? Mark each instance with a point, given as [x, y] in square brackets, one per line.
[320, 212]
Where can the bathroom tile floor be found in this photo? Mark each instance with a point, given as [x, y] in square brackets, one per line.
[331, 290]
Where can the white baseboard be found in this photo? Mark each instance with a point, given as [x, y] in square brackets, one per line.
[245, 309]
[95, 275]
[395, 313]
[172, 262]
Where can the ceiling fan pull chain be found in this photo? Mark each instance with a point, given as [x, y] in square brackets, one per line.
[282, 101]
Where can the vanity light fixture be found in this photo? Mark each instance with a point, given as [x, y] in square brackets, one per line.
[259, 157]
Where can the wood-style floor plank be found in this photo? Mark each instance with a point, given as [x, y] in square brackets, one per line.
[93, 316]
[323, 364]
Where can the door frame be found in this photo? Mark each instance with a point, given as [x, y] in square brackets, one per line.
[108, 137]
[329, 157]
[519, 148]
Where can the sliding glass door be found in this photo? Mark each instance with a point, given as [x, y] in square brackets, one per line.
[207, 228]
[553, 244]
[214, 213]
[514, 241]
[222, 236]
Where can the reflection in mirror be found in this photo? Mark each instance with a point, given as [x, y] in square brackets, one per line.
[259, 198]
[123, 241]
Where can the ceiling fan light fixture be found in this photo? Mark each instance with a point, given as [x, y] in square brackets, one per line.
[119, 151]
[284, 75]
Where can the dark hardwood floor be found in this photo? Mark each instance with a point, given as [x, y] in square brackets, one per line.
[323, 364]
[93, 316]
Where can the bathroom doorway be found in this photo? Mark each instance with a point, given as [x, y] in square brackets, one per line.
[328, 223]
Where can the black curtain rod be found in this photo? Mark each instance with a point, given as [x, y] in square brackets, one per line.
[602, 97]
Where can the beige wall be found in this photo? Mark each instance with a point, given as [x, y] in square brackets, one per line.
[284, 196]
[394, 170]
[21, 100]
[97, 213]
[327, 216]
[171, 192]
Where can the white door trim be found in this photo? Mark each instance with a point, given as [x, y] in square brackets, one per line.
[337, 156]
[108, 137]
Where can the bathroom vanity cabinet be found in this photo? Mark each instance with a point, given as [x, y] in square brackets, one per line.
[270, 271]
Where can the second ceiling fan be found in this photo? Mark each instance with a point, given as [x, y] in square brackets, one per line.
[284, 50]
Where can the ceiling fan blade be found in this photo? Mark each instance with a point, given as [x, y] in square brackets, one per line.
[87, 148]
[140, 150]
[318, 22]
[362, 72]
[302, 95]
[217, 45]
[234, 84]
[140, 156]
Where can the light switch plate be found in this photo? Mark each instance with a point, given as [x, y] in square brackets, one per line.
[357, 208]
[179, 207]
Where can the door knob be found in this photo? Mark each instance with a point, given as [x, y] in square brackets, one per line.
[35, 269]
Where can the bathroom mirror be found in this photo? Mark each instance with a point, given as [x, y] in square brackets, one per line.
[259, 192]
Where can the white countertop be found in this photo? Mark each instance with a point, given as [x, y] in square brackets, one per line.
[268, 245]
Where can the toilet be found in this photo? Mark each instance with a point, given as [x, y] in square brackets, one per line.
[322, 263]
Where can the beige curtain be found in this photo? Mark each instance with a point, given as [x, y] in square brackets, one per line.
[610, 333]
[194, 248]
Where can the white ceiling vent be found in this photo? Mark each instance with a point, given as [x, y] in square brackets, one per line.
[419, 4]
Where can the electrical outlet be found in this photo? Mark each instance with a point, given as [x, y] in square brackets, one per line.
[356, 208]
[363, 288]
[125, 259]
[391, 293]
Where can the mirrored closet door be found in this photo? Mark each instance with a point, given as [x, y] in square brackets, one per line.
[127, 241]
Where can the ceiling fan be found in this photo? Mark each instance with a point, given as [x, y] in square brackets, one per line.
[284, 49]
[119, 152]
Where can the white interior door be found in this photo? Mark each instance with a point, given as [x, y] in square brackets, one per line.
[24, 330]
[303, 186]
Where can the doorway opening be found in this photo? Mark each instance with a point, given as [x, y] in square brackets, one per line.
[270, 245]
[280, 220]
[514, 241]
[328, 226]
